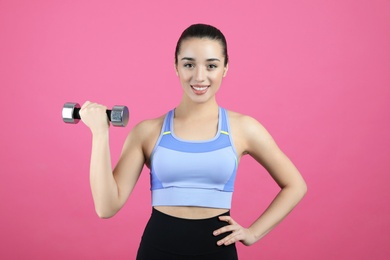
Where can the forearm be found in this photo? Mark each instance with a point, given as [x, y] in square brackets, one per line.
[103, 185]
[279, 208]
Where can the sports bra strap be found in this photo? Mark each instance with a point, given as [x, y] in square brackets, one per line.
[221, 115]
[167, 122]
[225, 126]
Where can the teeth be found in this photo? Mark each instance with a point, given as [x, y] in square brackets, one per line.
[199, 88]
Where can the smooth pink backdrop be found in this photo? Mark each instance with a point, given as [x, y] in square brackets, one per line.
[315, 73]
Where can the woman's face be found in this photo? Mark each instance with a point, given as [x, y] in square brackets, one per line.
[200, 68]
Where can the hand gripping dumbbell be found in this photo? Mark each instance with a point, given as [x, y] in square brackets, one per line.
[119, 115]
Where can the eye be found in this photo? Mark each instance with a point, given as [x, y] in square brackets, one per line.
[189, 65]
[212, 66]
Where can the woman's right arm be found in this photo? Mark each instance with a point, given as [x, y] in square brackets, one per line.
[111, 188]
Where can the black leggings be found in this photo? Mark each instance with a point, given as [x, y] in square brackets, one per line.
[167, 237]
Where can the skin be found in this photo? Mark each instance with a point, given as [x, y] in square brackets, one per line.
[200, 64]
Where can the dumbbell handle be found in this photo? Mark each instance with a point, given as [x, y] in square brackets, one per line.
[76, 113]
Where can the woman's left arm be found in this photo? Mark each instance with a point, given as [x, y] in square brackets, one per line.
[255, 140]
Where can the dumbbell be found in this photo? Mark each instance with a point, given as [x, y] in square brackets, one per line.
[119, 115]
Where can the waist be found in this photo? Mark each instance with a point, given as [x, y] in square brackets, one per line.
[193, 213]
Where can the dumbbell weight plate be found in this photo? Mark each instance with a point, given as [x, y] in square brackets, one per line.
[68, 113]
[119, 116]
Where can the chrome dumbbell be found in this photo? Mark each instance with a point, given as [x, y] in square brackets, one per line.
[119, 115]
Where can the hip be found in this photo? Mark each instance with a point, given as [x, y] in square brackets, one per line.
[171, 237]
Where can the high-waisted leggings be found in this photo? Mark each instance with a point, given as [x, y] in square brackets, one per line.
[172, 238]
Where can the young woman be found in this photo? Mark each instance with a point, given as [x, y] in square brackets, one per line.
[193, 152]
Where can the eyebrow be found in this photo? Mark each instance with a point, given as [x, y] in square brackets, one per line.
[192, 59]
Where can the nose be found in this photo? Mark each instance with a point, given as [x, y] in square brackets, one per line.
[200, 74]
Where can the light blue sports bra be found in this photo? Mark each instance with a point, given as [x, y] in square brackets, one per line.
[193, 173]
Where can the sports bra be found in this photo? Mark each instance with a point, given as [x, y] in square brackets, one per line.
[193, 173]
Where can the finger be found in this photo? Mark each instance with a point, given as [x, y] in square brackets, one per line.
[228, 219]
[224, 229]
[86, 103]
[237, 235]
[230, 239]
[93, 107]
[228, 228]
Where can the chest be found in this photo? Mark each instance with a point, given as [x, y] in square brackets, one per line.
[199, 130]
[206, 169]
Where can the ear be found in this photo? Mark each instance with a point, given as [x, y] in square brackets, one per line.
[177, 72]
[225, 70]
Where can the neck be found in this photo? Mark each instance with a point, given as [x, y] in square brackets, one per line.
[194, 110]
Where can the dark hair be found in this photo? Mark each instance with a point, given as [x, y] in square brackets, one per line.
[202, 31]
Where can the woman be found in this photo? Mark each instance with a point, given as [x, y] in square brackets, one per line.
[193, 153]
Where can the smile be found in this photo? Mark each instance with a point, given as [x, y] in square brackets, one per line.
[200, 88]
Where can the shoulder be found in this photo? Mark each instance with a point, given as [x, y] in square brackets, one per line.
[247, 132]
[149, 124]
[148, 127]
[244, 123]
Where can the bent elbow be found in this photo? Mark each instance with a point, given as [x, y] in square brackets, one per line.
[104, 214]
[298, 189]
[303, 188]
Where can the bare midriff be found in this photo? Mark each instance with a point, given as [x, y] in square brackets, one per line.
[190, 212]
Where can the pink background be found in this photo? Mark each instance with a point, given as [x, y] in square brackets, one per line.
[315, 73]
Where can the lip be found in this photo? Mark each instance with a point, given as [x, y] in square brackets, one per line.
[200, 86]
[199, 89]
